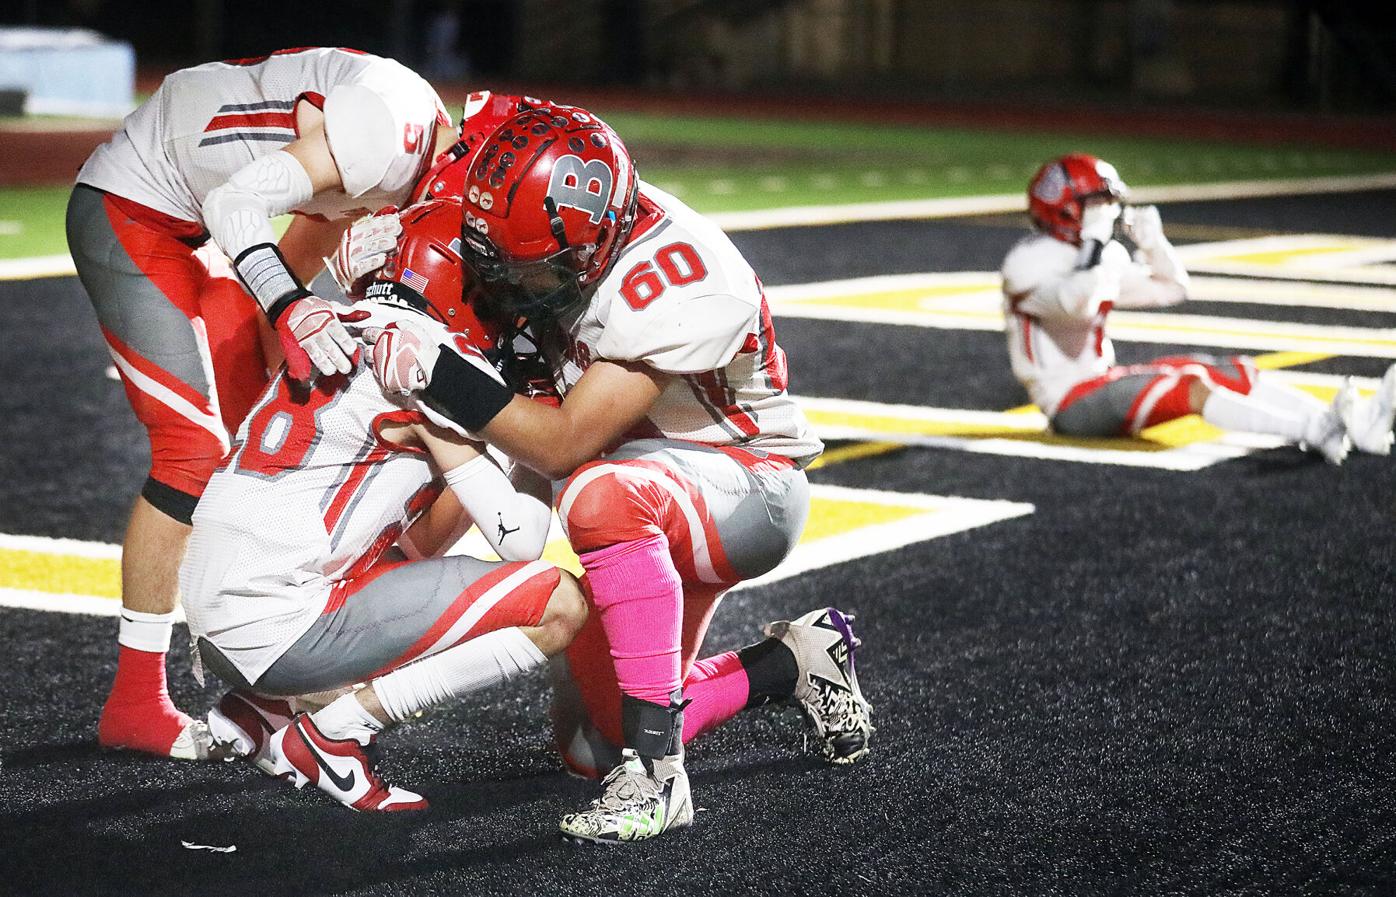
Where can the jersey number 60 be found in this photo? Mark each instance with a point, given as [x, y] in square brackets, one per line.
[678, 262]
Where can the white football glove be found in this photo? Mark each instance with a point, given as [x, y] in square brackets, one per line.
[364, 248]
[1144, 226]
[403, 357]
[313, 338]
[1098, 221]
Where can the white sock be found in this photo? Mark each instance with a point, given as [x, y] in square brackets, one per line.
[1281, 396]
[146, 632]
[1234, 411]
[491, 659]
[345, 717]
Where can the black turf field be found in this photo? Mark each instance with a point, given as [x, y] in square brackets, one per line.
[1158, 683]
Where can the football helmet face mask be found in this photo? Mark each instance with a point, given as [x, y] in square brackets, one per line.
[550, 198]
[1057, 194]
[426, 274]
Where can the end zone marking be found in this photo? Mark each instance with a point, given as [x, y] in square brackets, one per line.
[1188, 443]
[844, 524]
[971, 301]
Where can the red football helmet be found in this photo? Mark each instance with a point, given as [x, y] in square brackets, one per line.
[550, 198]
[426, 273]
[1059, 190]
[484, 111]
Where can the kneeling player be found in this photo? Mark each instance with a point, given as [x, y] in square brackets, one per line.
[1059, 286]
[682, 453]
[286, 584]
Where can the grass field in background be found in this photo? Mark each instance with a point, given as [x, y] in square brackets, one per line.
[721, 164]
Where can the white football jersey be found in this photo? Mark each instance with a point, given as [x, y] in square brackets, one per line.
[682, 299]
[206, 122]
[1055, 315]
[308, 496]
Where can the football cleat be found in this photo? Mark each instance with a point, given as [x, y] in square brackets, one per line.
[1368, 423]
[242, 725]
[638, 801]
[1328, 435]
[826, 687]
[194, 742]
[344, 769]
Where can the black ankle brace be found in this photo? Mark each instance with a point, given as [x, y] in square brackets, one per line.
[653, 730]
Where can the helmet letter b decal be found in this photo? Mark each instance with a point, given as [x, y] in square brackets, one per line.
[581, 185]
[1052, 186]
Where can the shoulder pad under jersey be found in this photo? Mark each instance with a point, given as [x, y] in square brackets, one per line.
[1035, 260]
[380, 127]
[679, 334]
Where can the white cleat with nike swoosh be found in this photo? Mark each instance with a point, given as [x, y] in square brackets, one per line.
[342, 768]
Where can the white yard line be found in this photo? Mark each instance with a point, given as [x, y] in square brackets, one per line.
[847, 213]
[808, 216]
[36, 267]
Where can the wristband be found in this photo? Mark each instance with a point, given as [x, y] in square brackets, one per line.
[464, 393]
[266, 274]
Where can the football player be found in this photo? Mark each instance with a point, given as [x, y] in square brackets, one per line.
[1060, 284]
[679, 453]
[286, 583]
[220, 149]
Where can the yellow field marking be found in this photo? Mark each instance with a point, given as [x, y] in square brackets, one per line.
[1285, 256]
[910, 300]
[59, 574]
[855, 452]
[1272, 361]
[835, 517]
[1024, 423]
[844, 524]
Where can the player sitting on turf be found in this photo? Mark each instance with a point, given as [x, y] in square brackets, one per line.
[1059, 286]
[286, 584]
[220, 149]
[681, 450]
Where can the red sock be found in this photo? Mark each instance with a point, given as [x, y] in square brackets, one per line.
[139, 714]
[717, 689]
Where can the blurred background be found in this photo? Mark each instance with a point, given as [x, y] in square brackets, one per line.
[1290, 55]
[740, 106]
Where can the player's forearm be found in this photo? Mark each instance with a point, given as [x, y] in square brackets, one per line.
[550, 440]
[307, 242]
[514, 523]
[440, 527]
[238, 215]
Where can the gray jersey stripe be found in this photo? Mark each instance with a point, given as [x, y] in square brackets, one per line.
[283, 137]
[700, 392]
[354, 503]
[344, 473]
[253, 107]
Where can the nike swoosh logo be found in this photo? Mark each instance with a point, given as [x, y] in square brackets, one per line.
[342, 782]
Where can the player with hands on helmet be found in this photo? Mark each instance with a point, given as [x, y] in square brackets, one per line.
[219, 150]
[674, 429]
[293, 615]
[1060, 285]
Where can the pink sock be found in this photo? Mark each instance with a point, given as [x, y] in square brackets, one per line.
[639, 597]
[717, 688]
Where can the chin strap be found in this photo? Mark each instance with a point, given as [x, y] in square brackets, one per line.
[555, 223]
